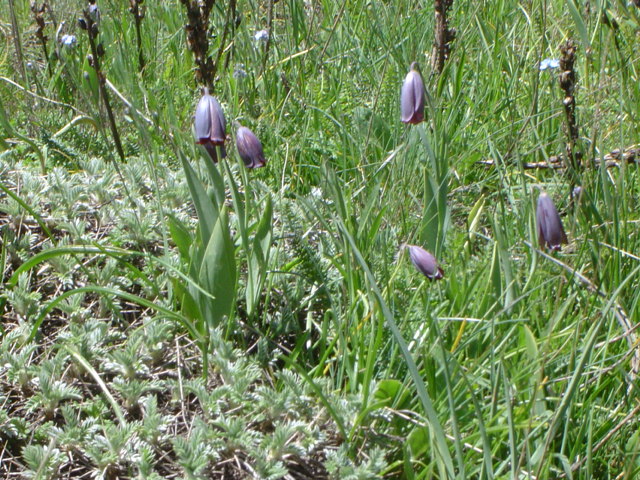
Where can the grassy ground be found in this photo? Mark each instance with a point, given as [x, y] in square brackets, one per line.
[323, 353]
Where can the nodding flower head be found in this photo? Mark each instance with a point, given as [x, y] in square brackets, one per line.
[210, 125]
[425, 262]
[412, 97]
[550, 231]
[249, 148]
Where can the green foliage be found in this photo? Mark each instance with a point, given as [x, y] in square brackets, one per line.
[166, 316]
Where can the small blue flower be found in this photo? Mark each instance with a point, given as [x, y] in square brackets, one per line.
[550, 63]
[261, 36]
[577, 192]
[239, 72]
[69, 41]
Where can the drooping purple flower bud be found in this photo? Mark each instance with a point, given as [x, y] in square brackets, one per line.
[249, 148]
[425, 262]
[210, 125]
[412, 97]
[550, 231]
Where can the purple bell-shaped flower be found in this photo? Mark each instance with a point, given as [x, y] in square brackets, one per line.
[425, 262]
[412, 97]
[249, 148]
[550, 231]
[210, 125]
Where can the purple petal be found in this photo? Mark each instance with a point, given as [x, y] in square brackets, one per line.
[250, 148]
[550, 230]
[425, 262]
[412, 97]
[210, 125]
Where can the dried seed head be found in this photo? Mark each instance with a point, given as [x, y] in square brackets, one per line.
[249, 148]
[412, 97]
[425, 262]
[550, 231]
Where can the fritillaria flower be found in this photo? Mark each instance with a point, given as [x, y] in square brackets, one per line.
[249, 148]
[210, 125]
[425, 262]
[550, 231]
[412, 97]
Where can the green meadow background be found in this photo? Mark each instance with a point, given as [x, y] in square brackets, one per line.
[164, 317]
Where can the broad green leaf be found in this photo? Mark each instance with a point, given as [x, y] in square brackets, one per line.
[180, 235]
[418, 441]
[206, 209]
[258, 258]
[239, 206]
[217, 273]
[188, 305]
[391, 392]
[528, 341]
[217, 182]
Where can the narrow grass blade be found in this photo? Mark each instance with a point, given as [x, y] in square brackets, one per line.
[444, 459]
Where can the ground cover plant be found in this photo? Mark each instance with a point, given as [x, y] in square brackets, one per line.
[391, 239]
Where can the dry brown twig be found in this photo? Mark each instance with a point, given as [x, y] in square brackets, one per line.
[197, 29]
[443, 35]
[615, 158]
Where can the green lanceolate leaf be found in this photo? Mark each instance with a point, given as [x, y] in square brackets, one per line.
[259, 257]
[217, 273]
[180, 235]
[205, 207]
